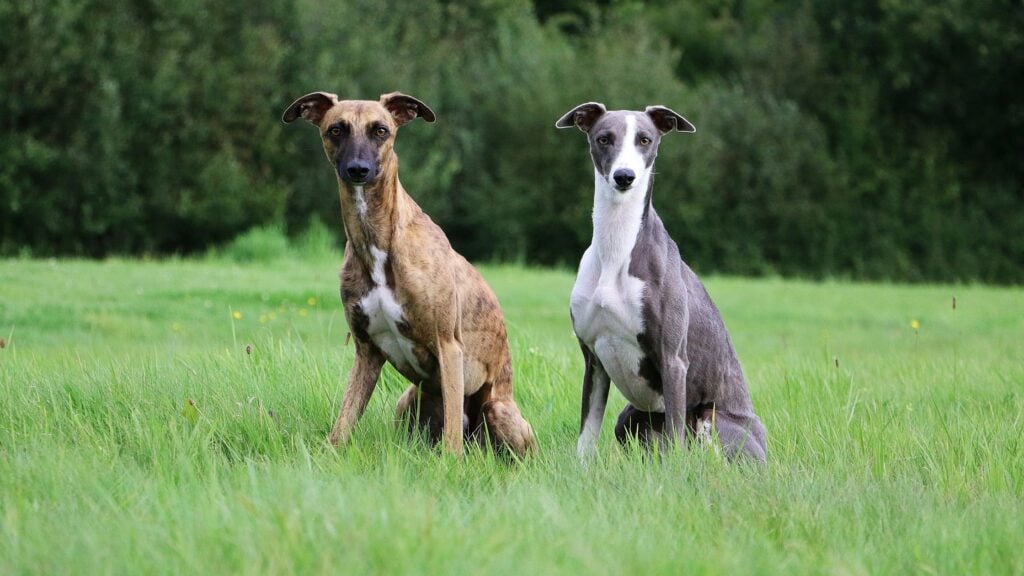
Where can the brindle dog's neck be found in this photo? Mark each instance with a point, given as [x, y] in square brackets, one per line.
[371, 213]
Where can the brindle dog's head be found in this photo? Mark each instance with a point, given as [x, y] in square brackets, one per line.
[623, 144]
[358, 135]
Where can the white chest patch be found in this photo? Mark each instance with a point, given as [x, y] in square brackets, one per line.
[607, 302]
[608, 317]
[385, 315]
[361, 207]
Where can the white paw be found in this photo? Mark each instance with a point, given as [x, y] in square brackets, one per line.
[703, 431]
[585, 451]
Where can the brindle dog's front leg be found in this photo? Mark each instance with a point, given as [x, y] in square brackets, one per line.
[449, 355]
[361, 382]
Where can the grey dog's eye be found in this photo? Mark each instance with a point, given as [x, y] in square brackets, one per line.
[645, 141]
[603, 140]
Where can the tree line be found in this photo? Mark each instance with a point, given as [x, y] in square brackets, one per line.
[878, 139]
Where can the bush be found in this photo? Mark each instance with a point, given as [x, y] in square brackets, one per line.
[258, 245]
[317, 242]
[874, 140]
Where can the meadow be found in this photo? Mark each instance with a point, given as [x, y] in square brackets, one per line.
[169, 417]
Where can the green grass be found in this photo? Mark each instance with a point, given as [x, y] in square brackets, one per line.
[906, 457]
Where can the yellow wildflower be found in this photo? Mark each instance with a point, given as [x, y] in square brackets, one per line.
[191, 410]
[311, 301]
[236, 315]
[915, 325]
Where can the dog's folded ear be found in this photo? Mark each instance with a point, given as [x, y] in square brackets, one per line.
[583, 116]
[405, 109]
[666, 120]
[312, 107]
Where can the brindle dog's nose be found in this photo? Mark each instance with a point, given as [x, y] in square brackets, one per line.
[357, 171]
[624, 177]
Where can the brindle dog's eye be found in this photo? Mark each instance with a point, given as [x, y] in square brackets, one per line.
[334, 132]
[645, 141]
[381, 131]
[603, 140]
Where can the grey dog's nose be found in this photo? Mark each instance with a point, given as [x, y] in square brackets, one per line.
[624, 177]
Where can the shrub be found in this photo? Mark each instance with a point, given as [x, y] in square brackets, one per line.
[264, 244]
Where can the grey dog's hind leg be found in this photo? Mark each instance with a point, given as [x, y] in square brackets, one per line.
[646, 427]
[741, 437]
[738, 436]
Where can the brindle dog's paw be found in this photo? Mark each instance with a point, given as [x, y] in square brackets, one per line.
[508, 428]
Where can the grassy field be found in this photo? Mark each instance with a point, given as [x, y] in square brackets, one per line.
[170, 417]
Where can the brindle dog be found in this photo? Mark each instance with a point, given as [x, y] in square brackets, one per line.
[409, 298]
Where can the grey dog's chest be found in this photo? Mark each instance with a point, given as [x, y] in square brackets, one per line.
[607, 310]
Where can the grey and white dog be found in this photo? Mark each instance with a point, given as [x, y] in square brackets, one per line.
[643, 319]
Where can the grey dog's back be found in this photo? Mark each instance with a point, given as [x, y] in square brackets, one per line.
[714, 377]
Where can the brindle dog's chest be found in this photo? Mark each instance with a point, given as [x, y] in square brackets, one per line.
[376, 315]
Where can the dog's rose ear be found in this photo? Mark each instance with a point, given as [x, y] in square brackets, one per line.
[666, 120]
[583, 116]
[405, 109]
[312, 107]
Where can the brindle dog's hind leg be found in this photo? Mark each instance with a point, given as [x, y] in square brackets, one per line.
[508, 428]
[505, 424]
[419, 411]
[476, 431]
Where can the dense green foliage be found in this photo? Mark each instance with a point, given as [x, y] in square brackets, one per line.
[892, 452]
[874, 139]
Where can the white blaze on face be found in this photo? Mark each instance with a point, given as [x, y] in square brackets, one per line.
[618, 213]
[630, 158]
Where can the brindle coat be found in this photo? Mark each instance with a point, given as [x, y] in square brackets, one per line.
[448, 318]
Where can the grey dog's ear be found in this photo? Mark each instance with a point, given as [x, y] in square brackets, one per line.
[312, 107]
[667, 120]
[583, 116]
[405, 109]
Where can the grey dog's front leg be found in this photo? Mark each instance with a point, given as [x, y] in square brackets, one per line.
[673, 361]
[673, 383]
[595, 397]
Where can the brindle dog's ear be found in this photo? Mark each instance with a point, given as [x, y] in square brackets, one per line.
[312, 107]
[583, 116]
[405, 109]
[666, 120]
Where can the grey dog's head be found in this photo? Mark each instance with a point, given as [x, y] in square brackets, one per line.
[623, 143]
